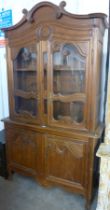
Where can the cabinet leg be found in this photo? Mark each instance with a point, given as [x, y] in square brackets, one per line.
[10, 173]
[87, 205]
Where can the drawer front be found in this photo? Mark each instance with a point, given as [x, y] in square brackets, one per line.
[66, 161]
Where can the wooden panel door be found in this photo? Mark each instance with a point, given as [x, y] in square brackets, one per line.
[66, 162]
[23, 150]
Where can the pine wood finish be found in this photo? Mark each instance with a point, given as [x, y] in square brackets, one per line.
[54, 71]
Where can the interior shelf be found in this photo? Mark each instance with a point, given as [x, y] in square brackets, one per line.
[66, 68]
[25, 69]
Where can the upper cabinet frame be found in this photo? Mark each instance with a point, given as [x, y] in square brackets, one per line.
[51, 29]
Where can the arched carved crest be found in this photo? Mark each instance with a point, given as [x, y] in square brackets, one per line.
[59, 11]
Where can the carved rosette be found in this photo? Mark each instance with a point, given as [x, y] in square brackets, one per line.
[59, 12]
[44, 32]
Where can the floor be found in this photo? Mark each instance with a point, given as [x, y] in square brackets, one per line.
[23, 193]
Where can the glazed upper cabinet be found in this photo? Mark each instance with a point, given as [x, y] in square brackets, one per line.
[55, 71]
[51, 83]
[56, 67]
[54, 80]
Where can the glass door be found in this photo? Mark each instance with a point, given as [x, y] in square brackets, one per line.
[26, 88]
[67, 101]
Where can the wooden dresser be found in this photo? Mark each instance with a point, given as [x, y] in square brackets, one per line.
[54, 79]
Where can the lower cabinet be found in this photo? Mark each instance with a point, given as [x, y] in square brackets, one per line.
[51, 158]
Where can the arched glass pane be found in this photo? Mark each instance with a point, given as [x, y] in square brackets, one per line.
[68, 71]
[25, 69]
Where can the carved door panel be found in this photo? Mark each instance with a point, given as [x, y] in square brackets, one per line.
[68, 101]
[23, 149]
[66, 161]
